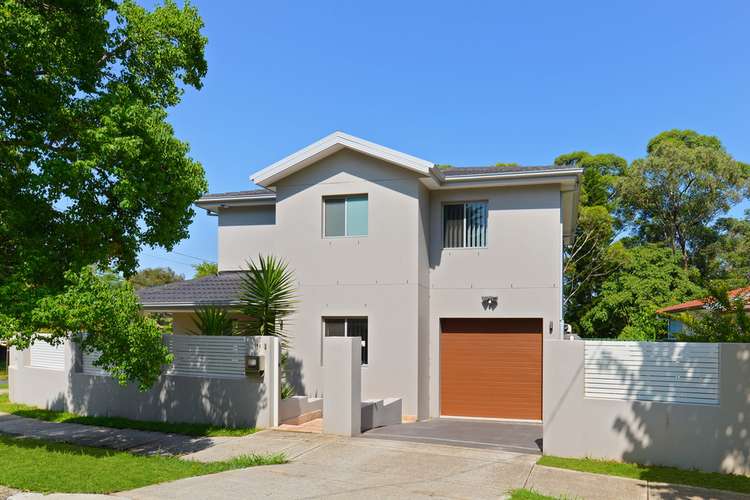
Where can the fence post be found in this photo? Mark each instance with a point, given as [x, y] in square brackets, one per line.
[273, 379]
[342, 386]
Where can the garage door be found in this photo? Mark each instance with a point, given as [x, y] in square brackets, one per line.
[491, 368]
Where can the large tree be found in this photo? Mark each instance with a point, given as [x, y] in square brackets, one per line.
[684, 183]
[585, 261]
[154, 276]
[90, 169]
[646, 277]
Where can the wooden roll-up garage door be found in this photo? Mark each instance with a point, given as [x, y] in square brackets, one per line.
[491, 368]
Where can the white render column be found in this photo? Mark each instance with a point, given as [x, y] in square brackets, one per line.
[342, 389]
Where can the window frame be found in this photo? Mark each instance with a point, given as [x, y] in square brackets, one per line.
[464, 203]
[344, 197]
[346, 319]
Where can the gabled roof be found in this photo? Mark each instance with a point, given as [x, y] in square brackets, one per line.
[330, 145]
[223, 289]
[691, 305]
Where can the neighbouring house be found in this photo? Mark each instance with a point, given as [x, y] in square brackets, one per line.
[451, 277]
[695, 307]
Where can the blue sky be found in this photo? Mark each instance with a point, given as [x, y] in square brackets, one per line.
[466, 83]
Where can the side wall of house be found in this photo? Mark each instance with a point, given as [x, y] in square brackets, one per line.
[245, 232]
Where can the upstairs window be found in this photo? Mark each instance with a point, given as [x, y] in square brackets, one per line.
[345, 215]
[348, 327]
[465, 225]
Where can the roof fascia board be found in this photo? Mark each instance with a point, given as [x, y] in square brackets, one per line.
[567, 182]
[185, 306]
[514, 175]
[330, 145]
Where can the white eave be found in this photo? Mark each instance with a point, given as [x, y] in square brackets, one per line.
[213, 204]
[330, 145]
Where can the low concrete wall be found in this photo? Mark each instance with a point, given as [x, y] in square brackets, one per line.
[707, 437]
[298, 405]
[380, 412]
[250, 401]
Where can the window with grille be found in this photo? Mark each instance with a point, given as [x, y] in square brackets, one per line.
[348, 327]
[465, 225]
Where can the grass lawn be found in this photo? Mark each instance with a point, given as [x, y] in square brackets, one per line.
[31, 464]
[524, 494]
[713, 480]
[120, 423]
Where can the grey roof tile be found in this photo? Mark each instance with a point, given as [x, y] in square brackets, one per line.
[221, 289]
[459, 171]
[237, 194]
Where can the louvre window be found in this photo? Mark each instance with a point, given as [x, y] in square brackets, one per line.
[465, 225]
[345, 216]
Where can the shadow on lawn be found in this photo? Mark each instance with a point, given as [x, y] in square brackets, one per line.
[52, 447]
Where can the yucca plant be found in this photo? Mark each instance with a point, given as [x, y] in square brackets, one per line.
[268, 297]
[212, 320]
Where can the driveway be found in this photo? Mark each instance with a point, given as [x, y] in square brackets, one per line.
[332, 467]
[519, 437]
[363, 468]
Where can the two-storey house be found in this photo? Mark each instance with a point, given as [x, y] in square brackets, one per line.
[452, 277]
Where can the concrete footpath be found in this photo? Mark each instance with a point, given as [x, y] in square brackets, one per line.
[326, 466]
[322, 466]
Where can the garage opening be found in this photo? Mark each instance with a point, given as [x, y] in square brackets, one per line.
[491, 368]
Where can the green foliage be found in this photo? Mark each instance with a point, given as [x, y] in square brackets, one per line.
[524, 494]
[600, 174]
[726, 255]
[585, 261]
[268, 297]
[206, 269]
[723, 319]
[443, 166]
[645, 278]
[154, 276]
[678, 190]
[506, 164]
[81, 469]
[186, 428]
[287, 389]
[130, 343]
[212, 320]
[91, 169]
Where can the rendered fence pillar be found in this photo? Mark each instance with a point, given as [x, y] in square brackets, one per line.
[273, 379]
[342, 389]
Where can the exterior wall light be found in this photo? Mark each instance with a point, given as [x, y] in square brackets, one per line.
[489, 302]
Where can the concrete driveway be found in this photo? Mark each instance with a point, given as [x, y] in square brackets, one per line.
[332, 467]
[519, 437]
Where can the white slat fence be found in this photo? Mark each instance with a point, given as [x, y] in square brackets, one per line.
[89, 368]
[47, 356]
[679, 372]
[199, 356]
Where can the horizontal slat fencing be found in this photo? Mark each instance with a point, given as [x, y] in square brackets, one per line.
[47, 356]
[199, 356]
[88, 359]
[678, 372]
